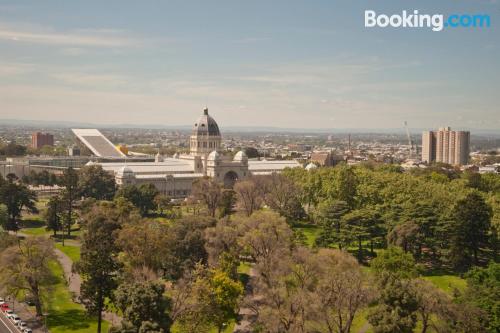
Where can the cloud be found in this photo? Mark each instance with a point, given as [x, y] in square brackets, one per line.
[89, 38]
[14, 68]
[91, 80]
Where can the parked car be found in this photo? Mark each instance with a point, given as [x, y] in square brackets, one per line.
[22, 325]
[27, 330]
[2, 300]
[9, 313]
[4, 307]
[16, 319]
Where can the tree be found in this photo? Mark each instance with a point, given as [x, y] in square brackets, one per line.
[94, 182]
[396, 307]
[469, 230]
[4, 217]
[329, 214]
[162, 202]
[99, 265]
[310, 292]
[16, 197]
[419, 229]
[341, 291]
[483, 292]
[227, 202]
[144, 244]
[53, 214]
[248, 196]
[209, 192]
[362, 224]
[251, 152]
[185, 245]
[435, 308]
[283, 196]
[212, 299]
[346, 185]
[25, 267]
[265, 237]
[69, 195]
[140, 303]
[13, 149]
[141, 196]
[393, 262]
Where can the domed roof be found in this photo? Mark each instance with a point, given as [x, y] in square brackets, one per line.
[311, 166]
[213, 156]
[206, 125]
[240, 156]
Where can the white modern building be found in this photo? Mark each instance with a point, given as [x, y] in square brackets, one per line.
[447, 146]
[175, 175]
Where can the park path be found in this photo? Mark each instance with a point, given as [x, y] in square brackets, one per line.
[247, 315]
[74, 280]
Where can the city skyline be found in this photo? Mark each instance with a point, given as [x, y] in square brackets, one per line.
[280, 64]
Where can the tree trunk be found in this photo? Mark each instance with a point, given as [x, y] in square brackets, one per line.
[38, 303]
[425, 325]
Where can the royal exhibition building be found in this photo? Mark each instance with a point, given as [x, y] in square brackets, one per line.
[174, 176]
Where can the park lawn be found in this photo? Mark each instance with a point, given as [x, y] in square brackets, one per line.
[63, 314]
[73, 252]
[229, 329]
[448, 283]
[310, 231]
[360, 323]
[34, 225]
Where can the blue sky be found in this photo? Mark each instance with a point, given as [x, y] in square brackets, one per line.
[303, 64]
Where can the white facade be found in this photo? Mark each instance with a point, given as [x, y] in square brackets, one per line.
[174, 176]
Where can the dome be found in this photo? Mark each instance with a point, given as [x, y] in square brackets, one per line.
[311, 166]
[240, 156]
[214, 156]
[206, 125]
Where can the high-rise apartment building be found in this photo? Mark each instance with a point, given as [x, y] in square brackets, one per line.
[38, 140]
[446, 146]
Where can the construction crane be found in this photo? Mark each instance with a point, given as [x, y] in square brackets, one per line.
[413, 146]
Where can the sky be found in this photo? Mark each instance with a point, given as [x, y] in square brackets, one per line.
[292, 64]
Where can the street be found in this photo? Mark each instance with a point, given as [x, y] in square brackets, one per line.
[6, 326]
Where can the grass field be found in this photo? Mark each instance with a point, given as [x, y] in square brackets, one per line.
[33, 225]
[448, 283]
[229, 328]
[64, 314]
[73, 252]
[311, 232]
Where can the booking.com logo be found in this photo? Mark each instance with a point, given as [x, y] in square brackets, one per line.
[437, 22]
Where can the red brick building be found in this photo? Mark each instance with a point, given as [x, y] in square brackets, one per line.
[38, 140]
